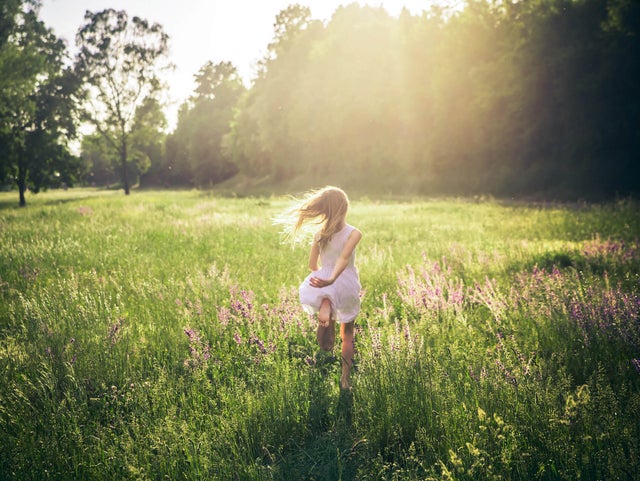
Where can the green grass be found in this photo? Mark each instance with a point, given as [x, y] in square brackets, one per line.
[158, 336]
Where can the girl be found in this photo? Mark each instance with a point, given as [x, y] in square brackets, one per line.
[332, 290]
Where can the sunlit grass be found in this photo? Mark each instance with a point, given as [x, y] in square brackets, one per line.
[159, 335]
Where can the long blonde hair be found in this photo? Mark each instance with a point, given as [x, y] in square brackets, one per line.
[327, 206]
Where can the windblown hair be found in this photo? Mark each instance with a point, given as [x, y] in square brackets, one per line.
[327, 206]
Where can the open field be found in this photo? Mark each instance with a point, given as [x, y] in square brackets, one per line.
[158, 336]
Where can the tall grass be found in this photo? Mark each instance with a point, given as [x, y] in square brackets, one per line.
[158, 336]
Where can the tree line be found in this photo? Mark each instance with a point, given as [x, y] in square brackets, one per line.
[510, 98]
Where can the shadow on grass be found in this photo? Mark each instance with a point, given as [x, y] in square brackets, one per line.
[9, 204]
[328, 454]
[15, 204]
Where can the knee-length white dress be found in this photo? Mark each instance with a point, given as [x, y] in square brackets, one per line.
[344, 293]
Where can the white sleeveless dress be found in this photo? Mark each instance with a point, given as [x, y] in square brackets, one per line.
[344, 293]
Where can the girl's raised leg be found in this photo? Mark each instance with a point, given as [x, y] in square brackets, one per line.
[326, 333]
[346, 332]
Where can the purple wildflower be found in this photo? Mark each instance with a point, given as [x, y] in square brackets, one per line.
[376, 341]
[511, 379]
[224, 315]
[636, 364]
[243, 305]
[114, 331]
[199, 351]
[433, 290]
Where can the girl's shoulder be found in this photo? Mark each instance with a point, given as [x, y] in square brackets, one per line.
[353, 231]
[351, 228]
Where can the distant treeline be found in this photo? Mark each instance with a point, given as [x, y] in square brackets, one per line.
[510, 98]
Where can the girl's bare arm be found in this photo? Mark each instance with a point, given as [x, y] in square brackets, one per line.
[313, 256]
[342, 261]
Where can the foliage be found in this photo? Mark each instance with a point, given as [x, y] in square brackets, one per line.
[507, 98]
[195, 151]
[37, 103]
[119, 61]
[535, 98]
[146, 147]
[159, 335]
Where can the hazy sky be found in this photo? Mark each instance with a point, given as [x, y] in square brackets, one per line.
[203, 30]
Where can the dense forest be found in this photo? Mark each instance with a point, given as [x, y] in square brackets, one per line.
[535, 98]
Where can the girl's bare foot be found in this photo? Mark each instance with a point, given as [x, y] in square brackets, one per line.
[324, 314]
[326, 333]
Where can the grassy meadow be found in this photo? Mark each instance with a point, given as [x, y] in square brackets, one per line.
[158, 336]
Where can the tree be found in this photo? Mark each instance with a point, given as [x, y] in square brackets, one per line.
[203, 123]
[99, 161]
[148, 137]
[262, 139]
[37, 102]
[119, 59]
[146, 148]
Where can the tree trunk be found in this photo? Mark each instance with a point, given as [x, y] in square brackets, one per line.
[23, 201]
[22, 184]
[125, 171]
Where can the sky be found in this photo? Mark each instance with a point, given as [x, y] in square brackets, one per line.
[205, 30]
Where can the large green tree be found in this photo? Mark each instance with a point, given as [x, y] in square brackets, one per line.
[121, 60]
[37, 102]
[101, 163]
[264, 137]
[196, 150]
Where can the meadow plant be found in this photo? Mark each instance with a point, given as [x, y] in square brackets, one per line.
[433, 291]
[160, 337]
[611, 253]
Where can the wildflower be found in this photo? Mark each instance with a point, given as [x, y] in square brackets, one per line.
[636, 364]
[376, 342]
[511, 379]
[192, 335]
[198, 350]
[243, 305]
[114, 331]
[432, 290]
[85, 210]
[224, 315]
[489, 296]
[259, 343]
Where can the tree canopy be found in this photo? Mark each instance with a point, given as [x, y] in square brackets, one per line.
[511, 98]
[38, 96]
[500, 97]
[119, 61]
[195, 152]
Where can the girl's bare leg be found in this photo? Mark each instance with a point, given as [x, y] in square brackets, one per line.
[346, 332]
[326, 333]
